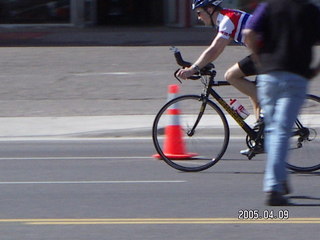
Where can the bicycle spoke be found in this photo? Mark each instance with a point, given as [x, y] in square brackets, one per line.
[202, 139]
[305, 142]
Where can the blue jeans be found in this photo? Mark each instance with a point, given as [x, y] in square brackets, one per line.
[281, 95]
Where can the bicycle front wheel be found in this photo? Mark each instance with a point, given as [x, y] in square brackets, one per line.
[304, 145]
[190, 133]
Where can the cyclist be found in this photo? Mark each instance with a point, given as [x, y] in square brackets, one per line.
[230, 23]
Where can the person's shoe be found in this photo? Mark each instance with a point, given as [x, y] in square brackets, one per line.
[276, 199]
[286, 188]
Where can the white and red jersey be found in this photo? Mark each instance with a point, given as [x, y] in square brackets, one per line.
[231, 23]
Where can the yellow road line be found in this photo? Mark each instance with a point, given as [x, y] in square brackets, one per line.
[141, 221]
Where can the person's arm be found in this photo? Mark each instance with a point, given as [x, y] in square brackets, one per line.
[316, 69]
[210, 54]
[251, 40]
[253, 32]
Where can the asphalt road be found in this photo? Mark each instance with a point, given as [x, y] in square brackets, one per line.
[112, 189]
[99, 81]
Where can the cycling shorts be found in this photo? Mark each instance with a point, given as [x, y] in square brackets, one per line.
[247, 66]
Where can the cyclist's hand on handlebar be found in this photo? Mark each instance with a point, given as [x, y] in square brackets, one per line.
[186, 73]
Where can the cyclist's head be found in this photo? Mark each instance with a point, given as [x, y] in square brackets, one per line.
[205, 3]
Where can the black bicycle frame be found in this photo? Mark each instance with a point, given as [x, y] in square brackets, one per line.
[251, 133]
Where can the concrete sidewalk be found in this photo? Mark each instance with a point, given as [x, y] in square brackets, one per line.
[76, 126]
[86, 126]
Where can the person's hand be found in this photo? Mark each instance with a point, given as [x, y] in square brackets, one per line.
[315, 71]
[185, 73]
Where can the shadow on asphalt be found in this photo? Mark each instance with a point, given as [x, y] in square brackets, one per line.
[315, 201]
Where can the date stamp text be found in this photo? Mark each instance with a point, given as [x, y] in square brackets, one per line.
[267, 214]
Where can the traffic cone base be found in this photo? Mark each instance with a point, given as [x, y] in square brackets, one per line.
[174, 146]
[185, 156]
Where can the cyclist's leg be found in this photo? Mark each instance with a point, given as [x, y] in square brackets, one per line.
[236, 76]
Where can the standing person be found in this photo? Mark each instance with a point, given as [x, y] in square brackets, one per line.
[281, 34]
[230, 24]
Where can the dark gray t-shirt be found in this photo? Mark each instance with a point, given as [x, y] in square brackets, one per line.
[289, 29]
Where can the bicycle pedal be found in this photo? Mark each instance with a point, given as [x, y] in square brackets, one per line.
[251, 155]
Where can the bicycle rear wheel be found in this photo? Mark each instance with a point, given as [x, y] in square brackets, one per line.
[304, 145]
[185, 138]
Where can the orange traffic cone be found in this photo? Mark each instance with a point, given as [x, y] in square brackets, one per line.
[174, 145]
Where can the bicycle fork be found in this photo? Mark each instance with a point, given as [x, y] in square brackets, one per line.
[204, 101]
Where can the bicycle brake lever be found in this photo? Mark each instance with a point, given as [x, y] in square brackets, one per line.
[175, 75]
[251, 155]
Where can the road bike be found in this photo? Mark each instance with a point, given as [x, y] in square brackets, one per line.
[205, 130]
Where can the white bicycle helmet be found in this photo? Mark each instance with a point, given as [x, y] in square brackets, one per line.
[204, 3]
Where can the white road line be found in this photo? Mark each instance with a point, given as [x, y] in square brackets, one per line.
[70, 158]
[102, 73]
[102, 139]
[94, 182]
[88, 74]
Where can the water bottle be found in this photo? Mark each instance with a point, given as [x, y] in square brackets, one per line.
[236, 106]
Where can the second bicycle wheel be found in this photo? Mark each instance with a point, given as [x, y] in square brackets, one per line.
[304, 148]
[185, 138]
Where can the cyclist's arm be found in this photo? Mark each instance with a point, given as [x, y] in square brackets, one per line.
[209, 55]
[213, 51]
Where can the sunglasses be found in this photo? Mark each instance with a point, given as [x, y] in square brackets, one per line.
[199, 12]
